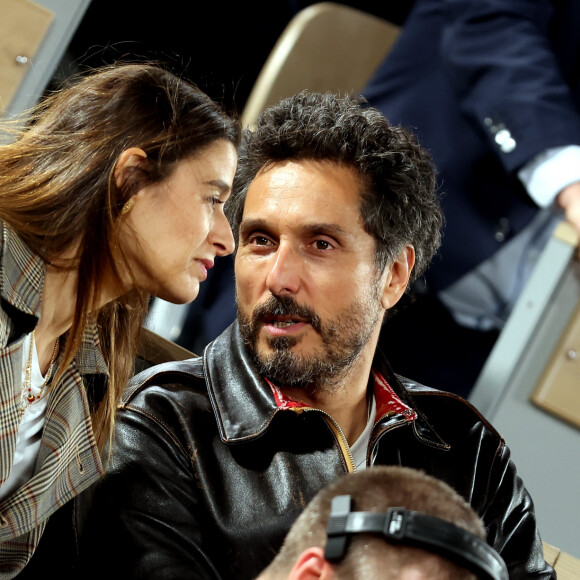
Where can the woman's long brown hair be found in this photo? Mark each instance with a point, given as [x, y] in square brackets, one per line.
[57, 188]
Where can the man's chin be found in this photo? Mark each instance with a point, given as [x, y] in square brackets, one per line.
[285, 346]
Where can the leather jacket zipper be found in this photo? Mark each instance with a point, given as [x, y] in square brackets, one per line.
[339, 434]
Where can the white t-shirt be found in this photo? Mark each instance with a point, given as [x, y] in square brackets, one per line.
[359, 448]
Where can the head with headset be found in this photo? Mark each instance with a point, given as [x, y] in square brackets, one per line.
[386, 523]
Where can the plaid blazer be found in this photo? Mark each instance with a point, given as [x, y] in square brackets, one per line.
[68, 460]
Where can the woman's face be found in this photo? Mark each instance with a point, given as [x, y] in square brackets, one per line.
[175, 229]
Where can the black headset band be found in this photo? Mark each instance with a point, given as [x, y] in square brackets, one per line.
[399, 525]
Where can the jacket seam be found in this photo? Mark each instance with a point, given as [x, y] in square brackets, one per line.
[165, 428]
[463, 402]
[438, 445]
[496, 458]
[134, 390]
[211, 397]
[442, 446]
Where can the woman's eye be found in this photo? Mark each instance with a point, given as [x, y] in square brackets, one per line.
[215, 200]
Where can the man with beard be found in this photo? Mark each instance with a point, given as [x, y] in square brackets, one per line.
[334, 211]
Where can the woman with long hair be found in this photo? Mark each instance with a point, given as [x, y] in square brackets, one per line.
[112, 191]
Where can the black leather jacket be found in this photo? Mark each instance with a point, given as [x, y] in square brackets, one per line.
[208, 473]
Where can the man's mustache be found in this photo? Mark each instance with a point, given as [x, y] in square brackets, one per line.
[285, 306]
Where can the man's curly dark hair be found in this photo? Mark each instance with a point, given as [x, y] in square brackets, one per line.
[398, 201]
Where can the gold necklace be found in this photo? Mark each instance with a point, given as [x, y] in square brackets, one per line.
[27, 397]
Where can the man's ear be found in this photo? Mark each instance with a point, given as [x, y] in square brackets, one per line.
[128, 161]
[311, 565]
[397, 277]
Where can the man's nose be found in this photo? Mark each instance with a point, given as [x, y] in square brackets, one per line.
[285, 274]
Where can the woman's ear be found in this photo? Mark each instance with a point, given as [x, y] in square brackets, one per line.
[129, 160]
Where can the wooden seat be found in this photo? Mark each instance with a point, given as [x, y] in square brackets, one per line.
[325, 47]
[154, 349]
[566, 566]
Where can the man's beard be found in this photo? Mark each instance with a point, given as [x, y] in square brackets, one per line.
[342, 340]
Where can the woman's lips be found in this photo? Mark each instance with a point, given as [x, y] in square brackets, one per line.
[205, 265]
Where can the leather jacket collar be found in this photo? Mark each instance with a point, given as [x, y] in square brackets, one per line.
[244, 405]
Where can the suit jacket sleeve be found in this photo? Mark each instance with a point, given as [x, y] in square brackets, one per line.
[508, 64]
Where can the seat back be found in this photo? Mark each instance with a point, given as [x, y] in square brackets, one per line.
[325, 47]
[153, 349]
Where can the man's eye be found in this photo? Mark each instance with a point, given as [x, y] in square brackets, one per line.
[322, 245]
[259, 240]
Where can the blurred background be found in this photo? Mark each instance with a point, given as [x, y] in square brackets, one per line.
[219, 45]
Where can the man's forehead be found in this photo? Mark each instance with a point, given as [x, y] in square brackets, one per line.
[304, 186]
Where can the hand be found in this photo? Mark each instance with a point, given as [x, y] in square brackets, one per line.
[569, 200]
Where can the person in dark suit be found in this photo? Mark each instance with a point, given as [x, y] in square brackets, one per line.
[492, 89]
